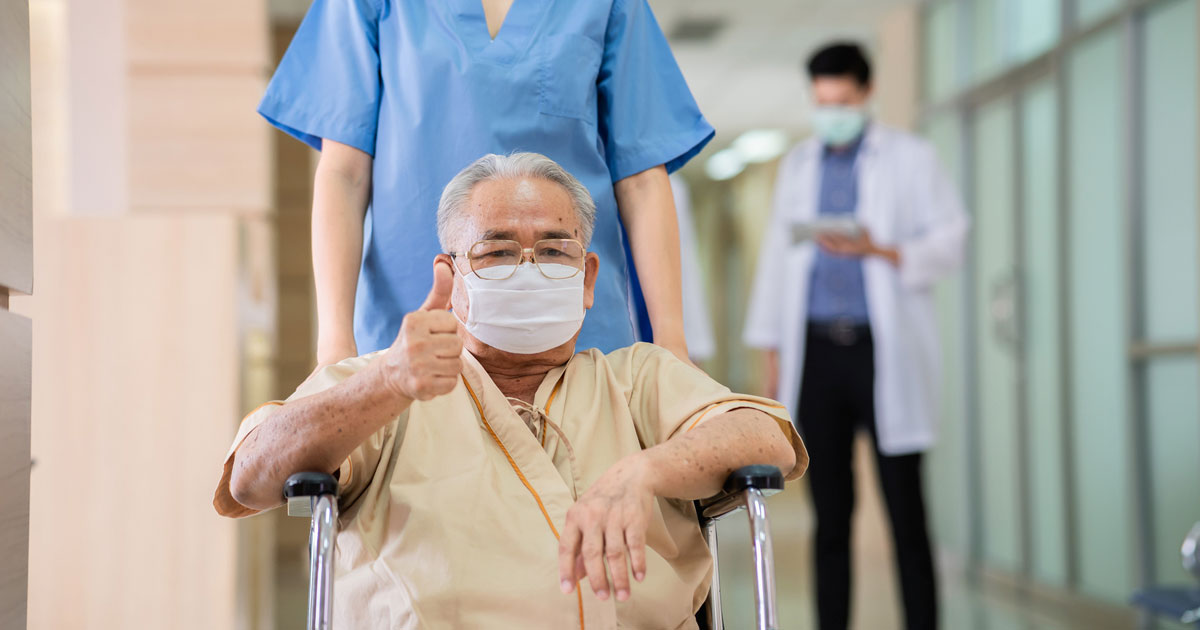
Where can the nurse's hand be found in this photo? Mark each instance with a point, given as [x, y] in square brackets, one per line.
[677, 345]
[608, 523]
[425, 361]
[335, 352]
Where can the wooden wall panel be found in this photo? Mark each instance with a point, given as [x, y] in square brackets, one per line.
[146, 116]
[136, 399]
[97, 105]
[16, 171]
[190, 149]
[16, 338]
[219, 34]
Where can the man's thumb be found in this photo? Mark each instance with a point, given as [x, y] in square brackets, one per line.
[443, 284]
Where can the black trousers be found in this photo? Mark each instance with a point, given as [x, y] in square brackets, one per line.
[836, 399]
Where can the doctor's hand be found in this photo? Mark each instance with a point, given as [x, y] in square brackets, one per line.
[857, 246]
[425, 362]
[608, 522]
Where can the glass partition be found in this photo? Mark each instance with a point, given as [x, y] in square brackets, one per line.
[1097, 288]
[996, 335]
[1168, 112]
[1042, 309]
[940, 50]
[947, 467]
[1168, 170]
[1088, 11]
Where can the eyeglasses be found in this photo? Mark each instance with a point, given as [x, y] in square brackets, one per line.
[556, 258]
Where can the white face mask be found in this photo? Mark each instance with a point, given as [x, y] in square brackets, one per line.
[527, 312]
[838, 125]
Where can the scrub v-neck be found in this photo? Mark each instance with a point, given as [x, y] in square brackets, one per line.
[487, 17]
[513, 38]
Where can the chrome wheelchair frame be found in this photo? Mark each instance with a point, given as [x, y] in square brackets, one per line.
[314, 495]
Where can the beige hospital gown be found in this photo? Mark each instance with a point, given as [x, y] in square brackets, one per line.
[450, 514]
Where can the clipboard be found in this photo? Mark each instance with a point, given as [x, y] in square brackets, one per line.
[835, 226]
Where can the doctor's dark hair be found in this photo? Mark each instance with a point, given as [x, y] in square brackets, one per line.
[841, 59]
[513, 166]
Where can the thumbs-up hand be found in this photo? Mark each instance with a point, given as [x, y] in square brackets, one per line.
[425, 360]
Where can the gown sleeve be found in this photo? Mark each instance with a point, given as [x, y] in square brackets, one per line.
[328, 83]
[355, 473]
[668, 398]
[647, 114]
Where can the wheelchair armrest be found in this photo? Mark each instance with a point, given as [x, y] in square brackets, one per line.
[302, 487]
[766, 479]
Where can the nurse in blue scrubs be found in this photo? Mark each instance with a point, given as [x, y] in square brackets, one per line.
[399, 95]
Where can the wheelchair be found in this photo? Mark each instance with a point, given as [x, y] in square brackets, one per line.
[314, 495]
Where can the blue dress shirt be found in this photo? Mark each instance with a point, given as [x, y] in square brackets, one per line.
[836, 291]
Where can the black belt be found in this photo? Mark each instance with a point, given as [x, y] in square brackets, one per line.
[840, 332]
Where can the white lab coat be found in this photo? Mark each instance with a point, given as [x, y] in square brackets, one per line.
[697, 326]
[905, 200]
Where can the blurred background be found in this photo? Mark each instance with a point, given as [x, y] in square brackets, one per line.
[174, 293]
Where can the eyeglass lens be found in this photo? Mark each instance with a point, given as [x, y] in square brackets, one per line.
[555, 258]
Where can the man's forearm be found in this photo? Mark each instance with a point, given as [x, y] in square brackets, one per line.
[315, 433]
[694, 465]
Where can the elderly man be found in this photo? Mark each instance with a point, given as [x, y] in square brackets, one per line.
[485, 469]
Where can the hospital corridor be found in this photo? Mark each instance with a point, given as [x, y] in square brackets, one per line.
[442, 314]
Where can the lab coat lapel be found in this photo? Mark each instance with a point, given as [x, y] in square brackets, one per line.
[807, 184]
[872, 189]
[803, 191]
[894, 378]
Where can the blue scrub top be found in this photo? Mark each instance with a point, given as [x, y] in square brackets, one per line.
[422, 87]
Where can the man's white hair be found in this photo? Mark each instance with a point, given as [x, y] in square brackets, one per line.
[513, 166]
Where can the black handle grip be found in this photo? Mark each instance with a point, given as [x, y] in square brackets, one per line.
[309, 484]
[757, 476]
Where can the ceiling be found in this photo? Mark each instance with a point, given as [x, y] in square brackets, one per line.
[748, 75]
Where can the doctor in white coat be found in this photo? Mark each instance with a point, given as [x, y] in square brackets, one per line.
[848, 320]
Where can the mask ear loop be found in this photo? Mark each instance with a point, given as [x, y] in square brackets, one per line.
[538, 414]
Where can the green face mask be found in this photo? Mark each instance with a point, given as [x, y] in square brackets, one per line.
[839, 125]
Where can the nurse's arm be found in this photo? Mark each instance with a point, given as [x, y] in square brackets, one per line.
[318, 432]
[647, 210]
[341, 192]
[610, 520]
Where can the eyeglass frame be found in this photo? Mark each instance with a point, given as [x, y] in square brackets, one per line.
[526, 252]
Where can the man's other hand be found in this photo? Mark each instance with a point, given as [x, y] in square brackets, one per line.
[425, 360]
[857, 246]
[608, 522]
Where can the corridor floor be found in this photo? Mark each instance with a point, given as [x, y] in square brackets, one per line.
[876, 604]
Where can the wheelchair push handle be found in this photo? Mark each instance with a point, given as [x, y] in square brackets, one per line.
[309, 484]
[314, 494]
[745, 488]
[767, 479]
[302, 489]
[760, 479]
